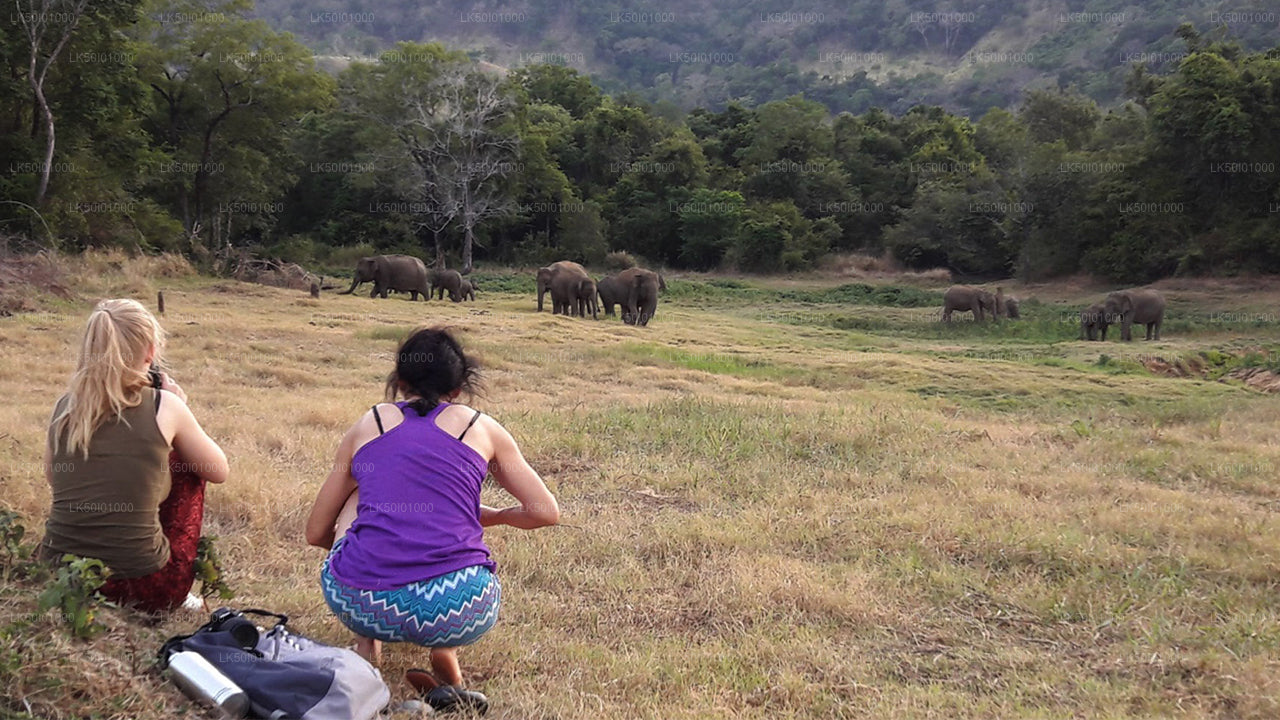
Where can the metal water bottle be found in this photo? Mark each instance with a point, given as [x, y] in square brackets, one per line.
[204, 683]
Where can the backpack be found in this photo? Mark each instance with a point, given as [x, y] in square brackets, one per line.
[286, 675]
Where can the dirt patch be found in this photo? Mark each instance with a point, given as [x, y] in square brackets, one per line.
[1257, 378]
[1176, 367]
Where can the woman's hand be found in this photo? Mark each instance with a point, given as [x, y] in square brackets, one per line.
[168, 383]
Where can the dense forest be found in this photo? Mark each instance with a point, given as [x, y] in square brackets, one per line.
[850, 55]
[194, 127]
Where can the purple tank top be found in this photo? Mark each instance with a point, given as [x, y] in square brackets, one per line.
[419, 511]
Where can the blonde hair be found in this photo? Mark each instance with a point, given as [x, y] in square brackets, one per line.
[117, 338]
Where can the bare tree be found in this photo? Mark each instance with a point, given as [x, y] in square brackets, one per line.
[435, 204]
[484, 153]
[917, 22]
[454, 132]
[951, 23]
[47, 23]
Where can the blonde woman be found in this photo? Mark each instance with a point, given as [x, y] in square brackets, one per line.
[127, 463]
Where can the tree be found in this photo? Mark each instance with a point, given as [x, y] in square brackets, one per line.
[790, 158]
[225, 89]
[1058, 115]
[559, 85]
[709, 222]
[645, 204]
[48, 26]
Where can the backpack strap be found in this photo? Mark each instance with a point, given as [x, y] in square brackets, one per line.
[267, 613]
[174, 643]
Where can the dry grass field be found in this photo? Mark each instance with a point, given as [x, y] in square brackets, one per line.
[773, 507]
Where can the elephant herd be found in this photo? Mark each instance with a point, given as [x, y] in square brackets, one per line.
[635, 290]
[405, 273]
[980, 302]
[1122, 307]
[574, 292]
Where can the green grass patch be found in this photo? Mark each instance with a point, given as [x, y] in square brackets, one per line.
[719, 291]
[743, 365]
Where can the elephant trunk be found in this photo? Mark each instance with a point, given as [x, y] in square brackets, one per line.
[354, 282]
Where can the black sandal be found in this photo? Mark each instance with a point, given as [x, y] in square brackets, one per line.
[450, 698]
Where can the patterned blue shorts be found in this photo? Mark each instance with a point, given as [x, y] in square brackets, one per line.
[451, 610]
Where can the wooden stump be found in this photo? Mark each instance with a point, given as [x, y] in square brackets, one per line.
[160, 302]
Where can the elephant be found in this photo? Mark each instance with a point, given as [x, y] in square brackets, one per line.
[612, 291]
[642, 294]
[1145, 307]
[467, 290]
[564, 281]
[965, 299]
[1093, 322]
[1011, 309]
[585, 300]
[450, 280]
[401, 273]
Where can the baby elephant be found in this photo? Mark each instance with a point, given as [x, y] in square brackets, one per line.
[1093, 322]
[467, 289]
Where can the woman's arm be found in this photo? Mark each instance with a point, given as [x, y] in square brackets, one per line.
[196, 449]
[538, 507]
[333, 493]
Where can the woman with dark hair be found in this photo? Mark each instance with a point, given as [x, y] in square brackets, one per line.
[401, 513]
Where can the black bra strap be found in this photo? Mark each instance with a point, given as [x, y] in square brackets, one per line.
[157, 394]
[377, 419]
[474, 418]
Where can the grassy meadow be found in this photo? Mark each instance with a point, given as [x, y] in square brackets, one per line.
[781, 499]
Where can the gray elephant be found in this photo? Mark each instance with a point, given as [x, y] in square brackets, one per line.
[1011, 310]
[1145, 307]
[399, 273]
[1094, 322]
[467, 289]
[612, 291]
[450, 280]
[969, 299]
[584, 302]
[643, 287]
[564, 281]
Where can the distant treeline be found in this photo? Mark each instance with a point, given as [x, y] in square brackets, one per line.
[178, 126]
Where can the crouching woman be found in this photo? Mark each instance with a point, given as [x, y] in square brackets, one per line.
[401, 513]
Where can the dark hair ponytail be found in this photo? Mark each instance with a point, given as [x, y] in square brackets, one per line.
[431, 364]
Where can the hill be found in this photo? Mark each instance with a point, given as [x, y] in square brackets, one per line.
[965, 55]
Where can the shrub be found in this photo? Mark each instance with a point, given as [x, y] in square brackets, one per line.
[619, 260]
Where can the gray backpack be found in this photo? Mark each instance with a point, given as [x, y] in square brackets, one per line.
[287, 675]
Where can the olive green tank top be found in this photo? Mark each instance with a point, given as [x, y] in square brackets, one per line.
[108, 506]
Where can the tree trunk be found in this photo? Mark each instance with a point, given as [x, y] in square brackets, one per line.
[43, 104]
[468, 223]
[466, 251]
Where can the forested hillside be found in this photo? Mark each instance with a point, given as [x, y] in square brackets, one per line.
[850, 55]
[171, 125]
